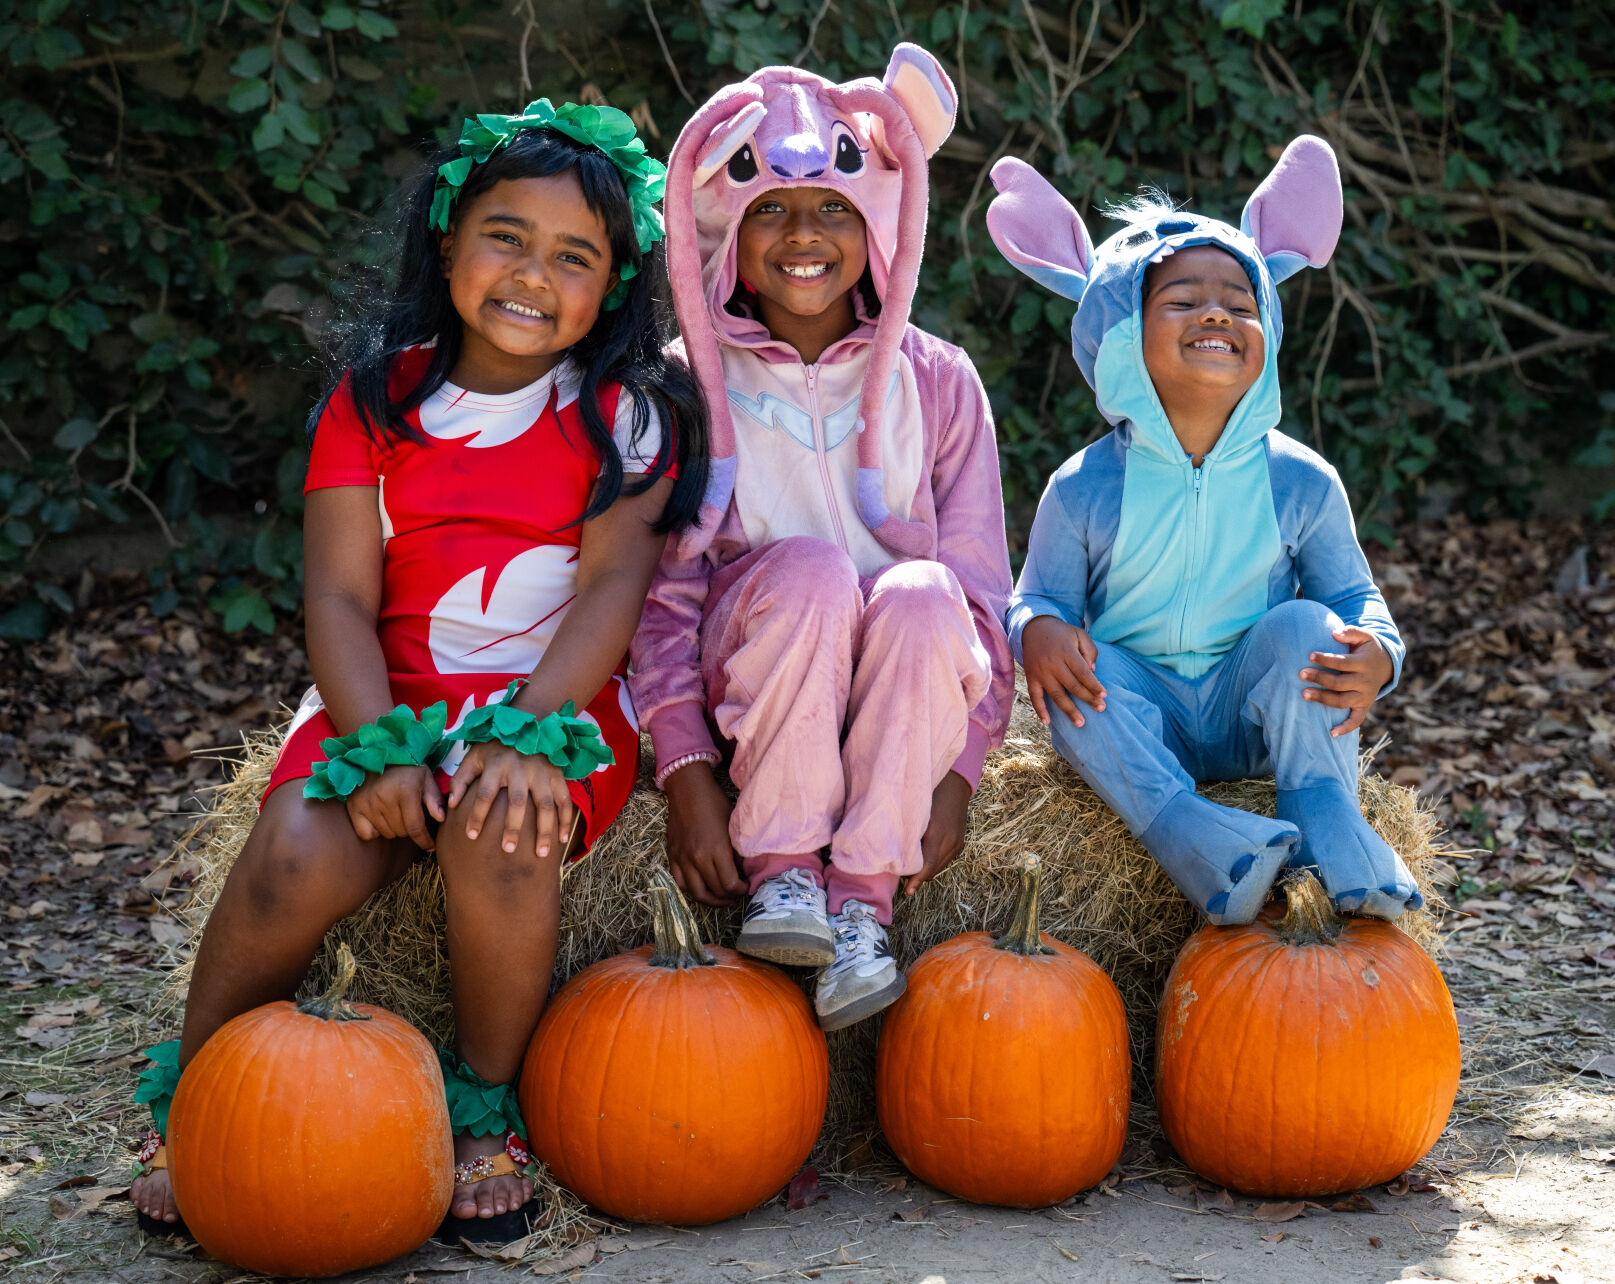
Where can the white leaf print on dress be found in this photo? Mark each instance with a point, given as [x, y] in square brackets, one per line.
[525, 607]
[451, 413]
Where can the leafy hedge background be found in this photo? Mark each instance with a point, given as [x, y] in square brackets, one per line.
[186, 186]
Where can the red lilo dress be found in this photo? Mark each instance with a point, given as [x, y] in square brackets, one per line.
[479, 554]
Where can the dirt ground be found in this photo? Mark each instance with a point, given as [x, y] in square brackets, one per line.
[1505, 720]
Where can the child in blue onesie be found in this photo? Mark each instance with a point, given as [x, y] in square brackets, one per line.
[1194, 577]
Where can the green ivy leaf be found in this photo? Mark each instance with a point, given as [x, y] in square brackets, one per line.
[301, 60]
[26, 622]
[339, 17]
[252, 62]
[319, 194]
[75, 434]
[269, 133]
[249, 94]
[375, 26]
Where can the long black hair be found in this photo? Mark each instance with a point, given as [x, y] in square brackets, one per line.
[411, 306]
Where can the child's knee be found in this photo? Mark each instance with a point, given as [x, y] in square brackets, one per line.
[290, 868]
[482, 866]
[1295, 629]
[811, 575]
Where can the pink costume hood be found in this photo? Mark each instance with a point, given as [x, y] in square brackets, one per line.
[784, 127]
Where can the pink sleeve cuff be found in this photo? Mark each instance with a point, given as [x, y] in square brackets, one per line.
[678, 730]
[968, 764]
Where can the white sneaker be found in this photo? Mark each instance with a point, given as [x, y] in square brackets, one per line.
[864, 978]
[786, 923]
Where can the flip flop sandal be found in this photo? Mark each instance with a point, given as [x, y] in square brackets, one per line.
[503, 1228]
[154, 1155]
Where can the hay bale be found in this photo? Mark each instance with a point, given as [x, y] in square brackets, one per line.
[1102, 893]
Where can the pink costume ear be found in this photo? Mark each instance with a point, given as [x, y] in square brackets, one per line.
[1295, 215]
[716, 124]
[917, 81]
[909, 538]
[1035, 228]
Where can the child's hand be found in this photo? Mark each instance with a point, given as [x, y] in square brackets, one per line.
[1059, 659]
[1358, 678]
[395, 804]
[698, 849]
[493, 767]
[944, 837]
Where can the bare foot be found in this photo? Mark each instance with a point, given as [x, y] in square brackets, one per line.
[153, 1195]
[492, 1195]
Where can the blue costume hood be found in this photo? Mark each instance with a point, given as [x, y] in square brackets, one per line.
[1292, 220]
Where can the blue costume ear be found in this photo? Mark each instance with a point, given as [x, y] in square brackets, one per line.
[1295, 215]
[1035, 228]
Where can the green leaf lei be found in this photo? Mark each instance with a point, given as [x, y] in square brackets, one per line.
[155, 1087]
[396, 739]
[607, 129]
[476, 1106]
[571, 743]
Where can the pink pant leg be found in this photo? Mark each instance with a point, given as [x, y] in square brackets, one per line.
[920, 669]
[776, 654]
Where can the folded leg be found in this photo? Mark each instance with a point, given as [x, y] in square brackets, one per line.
[920, 669]
[1316, 773]
[1221, 858]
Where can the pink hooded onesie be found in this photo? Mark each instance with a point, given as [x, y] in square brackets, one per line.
[837, 615]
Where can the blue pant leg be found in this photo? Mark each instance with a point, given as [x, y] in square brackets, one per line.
[1224, 860]
[1316, 773]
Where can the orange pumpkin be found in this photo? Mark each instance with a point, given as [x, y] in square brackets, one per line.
[676, 1084]
[1307, 1056]
[1002, 1074]
[312, 1138]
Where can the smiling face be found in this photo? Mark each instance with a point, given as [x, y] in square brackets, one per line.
[803, 249]
[528, 265]
[1203, 343]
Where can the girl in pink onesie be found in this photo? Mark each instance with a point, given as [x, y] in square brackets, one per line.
[834, 621]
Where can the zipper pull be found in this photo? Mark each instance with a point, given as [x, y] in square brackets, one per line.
[1197, 481]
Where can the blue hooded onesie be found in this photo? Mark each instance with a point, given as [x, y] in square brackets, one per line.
[1204, 589]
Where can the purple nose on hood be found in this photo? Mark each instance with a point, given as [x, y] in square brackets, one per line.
[799, 156]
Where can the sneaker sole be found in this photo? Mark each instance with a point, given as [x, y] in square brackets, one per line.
[790, 949]
[864, 1006]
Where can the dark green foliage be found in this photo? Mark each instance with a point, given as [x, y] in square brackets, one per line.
[186, 186]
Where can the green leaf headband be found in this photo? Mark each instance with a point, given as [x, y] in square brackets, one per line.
[606, 129]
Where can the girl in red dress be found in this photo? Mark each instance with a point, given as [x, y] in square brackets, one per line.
[491, 482]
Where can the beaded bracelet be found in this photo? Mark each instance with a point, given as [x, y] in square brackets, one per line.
[571, 743]
[709, 756]
[396, 739]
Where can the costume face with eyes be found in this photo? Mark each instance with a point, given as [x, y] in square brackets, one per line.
[867, 141]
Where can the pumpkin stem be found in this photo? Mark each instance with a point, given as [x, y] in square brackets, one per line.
[333, 1005]
[1309, 918]
[1023, 936]
[678, 939]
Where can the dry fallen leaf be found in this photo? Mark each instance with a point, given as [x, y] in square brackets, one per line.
[1284, 1212]
[804, 1189]
[574, 1257]
[910, 1214]
[1213, 1201]
[1354, 1204]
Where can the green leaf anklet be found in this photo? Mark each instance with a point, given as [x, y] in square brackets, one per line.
[396, 739]
[155, 1087]
[476, 1106]
[571, 743]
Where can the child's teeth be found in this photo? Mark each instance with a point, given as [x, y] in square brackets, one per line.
[517, 308]
[816, 269]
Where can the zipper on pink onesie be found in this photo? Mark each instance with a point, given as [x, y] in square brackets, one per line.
[819, 450]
